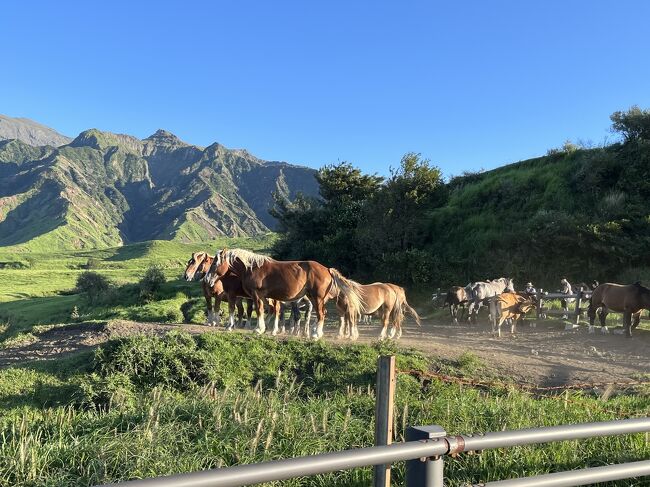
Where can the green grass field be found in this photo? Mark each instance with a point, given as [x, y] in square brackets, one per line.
[38, 288]
[144, 406]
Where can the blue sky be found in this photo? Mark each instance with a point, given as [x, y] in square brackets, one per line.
[469, 85]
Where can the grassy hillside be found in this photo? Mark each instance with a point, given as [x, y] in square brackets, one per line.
[577, 213]
[38, 288]
[146, 406]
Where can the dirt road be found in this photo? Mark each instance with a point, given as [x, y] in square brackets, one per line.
[544, 355]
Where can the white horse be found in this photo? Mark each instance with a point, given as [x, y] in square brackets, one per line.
[479, 292]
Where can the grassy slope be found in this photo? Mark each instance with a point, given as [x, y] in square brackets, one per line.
[31, 284]
[149, 406]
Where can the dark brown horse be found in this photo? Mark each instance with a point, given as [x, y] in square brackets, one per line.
[263, 277]
[630, 300]
[228, 288]
[457, 301]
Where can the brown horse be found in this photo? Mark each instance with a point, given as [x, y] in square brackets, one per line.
[228, 288]
[630, 300]
[457, 300]
[263, 277]
[378, 298]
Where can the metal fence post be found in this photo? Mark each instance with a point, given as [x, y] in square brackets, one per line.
[425, 472]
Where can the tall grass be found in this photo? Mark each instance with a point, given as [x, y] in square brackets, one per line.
[147, 406]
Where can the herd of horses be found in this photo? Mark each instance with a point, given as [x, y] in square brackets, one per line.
[628, 299]
[271, 286]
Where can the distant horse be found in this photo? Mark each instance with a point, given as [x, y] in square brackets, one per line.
[480, 292]
[405, 307]
[630, 300]
[263, 277]
[377, 298]
[457, 301]
[227, 289]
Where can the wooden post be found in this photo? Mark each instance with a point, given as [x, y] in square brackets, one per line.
[384, 399]
[578, 304]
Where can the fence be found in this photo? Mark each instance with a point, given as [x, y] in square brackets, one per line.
[424, 451]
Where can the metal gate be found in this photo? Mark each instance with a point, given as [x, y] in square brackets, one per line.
[424, 451]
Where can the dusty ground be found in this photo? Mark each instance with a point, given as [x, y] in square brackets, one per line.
[544, 355]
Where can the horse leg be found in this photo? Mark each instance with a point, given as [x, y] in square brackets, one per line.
[513, 324]
[231, 314]
[591, 313]
[384, 324]
[310, 308]
[276, 320]
[636, 319]
[240, 312]
[627, 323]
[320, 314]
[602, 315]
[216, 319]
[259, 304]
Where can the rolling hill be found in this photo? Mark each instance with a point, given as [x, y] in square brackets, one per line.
[103, 189]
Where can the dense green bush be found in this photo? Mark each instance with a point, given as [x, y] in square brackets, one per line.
[94, 285]
[151, 283]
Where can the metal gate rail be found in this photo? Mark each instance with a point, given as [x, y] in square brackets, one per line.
[425, 458]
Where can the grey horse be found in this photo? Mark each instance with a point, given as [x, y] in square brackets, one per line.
[480, 292]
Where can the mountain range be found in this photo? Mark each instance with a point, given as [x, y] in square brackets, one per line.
[103, 189]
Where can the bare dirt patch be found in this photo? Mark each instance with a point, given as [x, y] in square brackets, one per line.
[544, 355]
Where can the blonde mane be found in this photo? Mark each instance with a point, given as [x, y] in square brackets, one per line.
[248, 258]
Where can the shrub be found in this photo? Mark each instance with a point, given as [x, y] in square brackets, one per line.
[151, 283]
[94, 285]
[92, 263]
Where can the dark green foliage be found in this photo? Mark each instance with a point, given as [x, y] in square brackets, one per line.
[181, 361]
[151, 283]
[576, 213]
[94, 285]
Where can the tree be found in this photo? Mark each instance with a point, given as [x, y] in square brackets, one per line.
[634, 124]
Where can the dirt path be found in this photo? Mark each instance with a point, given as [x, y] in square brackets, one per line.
[545, 355]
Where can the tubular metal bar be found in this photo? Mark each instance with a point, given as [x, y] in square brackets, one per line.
[331, 462]
[501, 439]
[297, 467]
[586, 476]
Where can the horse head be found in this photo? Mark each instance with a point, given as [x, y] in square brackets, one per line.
[218, 268]
[526, 305]
[194, 266]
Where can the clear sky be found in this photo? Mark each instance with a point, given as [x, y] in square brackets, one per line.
[469, 85]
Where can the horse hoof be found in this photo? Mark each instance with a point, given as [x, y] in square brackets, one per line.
[604, 330]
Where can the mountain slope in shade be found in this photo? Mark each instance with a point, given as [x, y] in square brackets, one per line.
[30, 132]
[104, 189]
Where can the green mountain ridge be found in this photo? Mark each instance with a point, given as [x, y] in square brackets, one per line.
[105, 189]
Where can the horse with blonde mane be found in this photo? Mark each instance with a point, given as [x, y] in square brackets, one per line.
[378, 298]
[263, 277]
[228, 288]
[384, 299]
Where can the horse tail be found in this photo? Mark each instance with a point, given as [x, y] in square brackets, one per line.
[412, 312]
[397, 313]
[350, 290]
